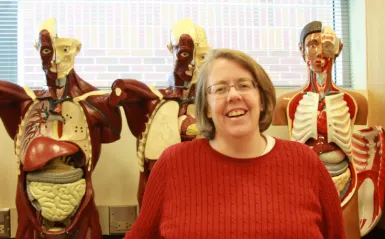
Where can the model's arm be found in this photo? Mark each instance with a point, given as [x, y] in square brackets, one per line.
[279, 116]
[280, 112]
[362, 107]
[137, 100]
[108, 118]
[13, 102]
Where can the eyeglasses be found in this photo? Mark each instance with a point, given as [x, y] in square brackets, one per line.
[242, 87]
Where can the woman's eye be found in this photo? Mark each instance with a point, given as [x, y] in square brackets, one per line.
[184, 54]
[220, 89]
[46, 51]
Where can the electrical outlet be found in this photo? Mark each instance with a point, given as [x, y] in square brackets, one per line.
[121, 219]
[121, 226]
[5, 228]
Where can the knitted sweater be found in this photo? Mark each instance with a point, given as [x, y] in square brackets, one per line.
[196, 192]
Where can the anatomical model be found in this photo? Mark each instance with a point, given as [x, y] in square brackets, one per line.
[322, 116]
[173, 119]
[58, 132]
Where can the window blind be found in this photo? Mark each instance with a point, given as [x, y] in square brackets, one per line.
[8, 40]
[127, 39]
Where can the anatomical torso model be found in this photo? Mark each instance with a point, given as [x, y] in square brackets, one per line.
[58, 132]
[322, 116]
[173, 119]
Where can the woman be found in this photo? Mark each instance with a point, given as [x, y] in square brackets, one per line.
[237, 182]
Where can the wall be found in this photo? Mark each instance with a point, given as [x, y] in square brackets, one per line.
[357, 43]
[375, 38]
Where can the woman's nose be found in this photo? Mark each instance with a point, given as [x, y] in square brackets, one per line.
[233, 94]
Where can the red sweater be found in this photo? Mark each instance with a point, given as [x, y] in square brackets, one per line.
[197, 192]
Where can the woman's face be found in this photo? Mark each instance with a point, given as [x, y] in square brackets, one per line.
[235, 113]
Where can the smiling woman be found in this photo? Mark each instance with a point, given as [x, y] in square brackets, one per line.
[237, 180]
[239, 69]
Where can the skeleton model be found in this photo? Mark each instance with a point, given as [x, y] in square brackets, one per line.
[322, 116]
[58, 132]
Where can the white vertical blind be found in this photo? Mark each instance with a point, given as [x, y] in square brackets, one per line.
[8, 40]
[127, 39]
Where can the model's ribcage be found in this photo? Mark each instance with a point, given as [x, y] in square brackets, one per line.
[333, 147]
[305, 118]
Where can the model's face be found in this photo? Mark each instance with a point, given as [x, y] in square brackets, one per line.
[183, 57]
[199, 59]
[58, 56]
[319, 52]
[235, 112]
[64, 58]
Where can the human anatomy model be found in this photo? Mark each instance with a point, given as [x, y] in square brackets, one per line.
[173, 119]
[322, 116]
[58, 133]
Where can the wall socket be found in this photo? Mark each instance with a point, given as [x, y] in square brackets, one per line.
[121, 218]
[5, 223]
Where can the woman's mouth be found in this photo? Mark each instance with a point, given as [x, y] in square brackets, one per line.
[236, 113]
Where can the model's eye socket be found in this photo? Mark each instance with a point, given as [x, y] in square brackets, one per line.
[66, 49]
[46, 51]
[184, 54]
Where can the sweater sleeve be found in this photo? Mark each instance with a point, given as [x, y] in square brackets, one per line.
[147, 222]
[333, 224]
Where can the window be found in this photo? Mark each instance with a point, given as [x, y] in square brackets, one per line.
[8, 40]
[127, 39]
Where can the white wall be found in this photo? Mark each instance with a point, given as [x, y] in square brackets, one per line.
[375, 38]
[357, 48]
